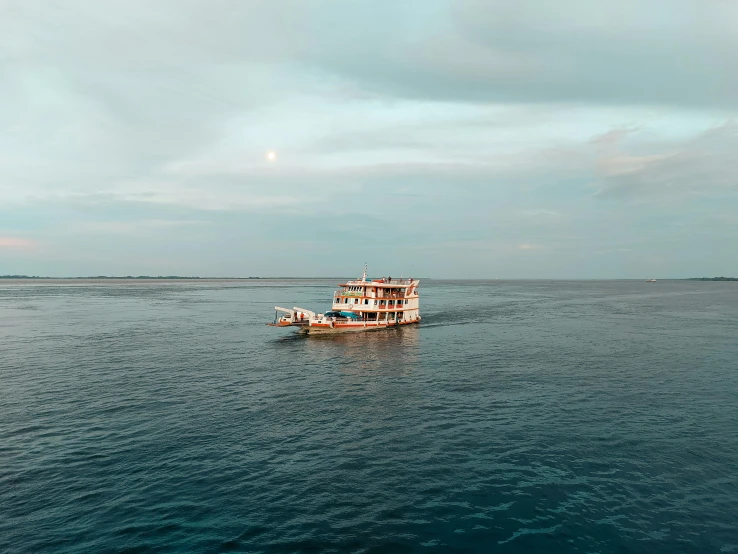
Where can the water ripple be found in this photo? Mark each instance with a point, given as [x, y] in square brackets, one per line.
[519, 417]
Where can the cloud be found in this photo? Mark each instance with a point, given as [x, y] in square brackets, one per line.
[613, 137]
[13, 242]
[705, 165]
[131, 131]
[665, 53]
[140, 227]
[541, 213]
[108, 94]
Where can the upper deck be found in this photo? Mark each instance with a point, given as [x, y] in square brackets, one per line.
[383, 294]
[365, 290]
[384, 282]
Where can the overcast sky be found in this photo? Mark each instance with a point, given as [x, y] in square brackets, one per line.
[439, 138]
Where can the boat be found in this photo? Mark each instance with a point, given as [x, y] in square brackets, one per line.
[361, 305]
[650, 280]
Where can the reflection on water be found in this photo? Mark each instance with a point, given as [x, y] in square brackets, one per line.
[389, 351]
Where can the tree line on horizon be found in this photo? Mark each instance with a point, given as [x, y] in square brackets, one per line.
[99, 277]
[713, 279]
[145, 277]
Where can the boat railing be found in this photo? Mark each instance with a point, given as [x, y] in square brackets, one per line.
[386, 281]
[354, 294]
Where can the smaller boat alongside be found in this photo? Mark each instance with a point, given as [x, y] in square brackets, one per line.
[650, 280]
[360, 305]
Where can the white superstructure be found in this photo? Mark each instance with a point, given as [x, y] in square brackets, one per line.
[359, 305]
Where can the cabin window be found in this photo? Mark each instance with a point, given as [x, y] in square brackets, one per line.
[345, 300]
[338, 300]
[366, 301]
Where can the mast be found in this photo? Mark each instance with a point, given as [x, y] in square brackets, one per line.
[363, 277]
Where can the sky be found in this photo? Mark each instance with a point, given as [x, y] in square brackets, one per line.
[432, 138]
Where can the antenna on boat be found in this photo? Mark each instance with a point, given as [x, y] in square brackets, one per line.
[363, 277]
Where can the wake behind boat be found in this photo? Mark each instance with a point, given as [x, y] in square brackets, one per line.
[360, 305]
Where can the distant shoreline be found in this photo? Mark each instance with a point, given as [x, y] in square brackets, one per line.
[169, 278]
[712, 279]
[155, 278]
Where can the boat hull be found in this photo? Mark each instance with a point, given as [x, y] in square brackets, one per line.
[321, 329]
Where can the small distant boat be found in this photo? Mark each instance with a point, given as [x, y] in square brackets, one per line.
[650, 280]
[360, 305]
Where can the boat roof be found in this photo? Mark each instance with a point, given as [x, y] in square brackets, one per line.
[382, 282]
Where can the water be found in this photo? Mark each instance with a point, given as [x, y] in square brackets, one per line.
[519, 417]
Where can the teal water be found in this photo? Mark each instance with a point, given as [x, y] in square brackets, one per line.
[518, 417]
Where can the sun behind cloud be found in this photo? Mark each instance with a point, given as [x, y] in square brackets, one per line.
[271, 156]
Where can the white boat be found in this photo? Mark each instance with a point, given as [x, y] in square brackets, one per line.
[650, 280]
[360, 305]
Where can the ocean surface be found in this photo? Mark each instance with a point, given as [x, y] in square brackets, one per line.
[587, 416]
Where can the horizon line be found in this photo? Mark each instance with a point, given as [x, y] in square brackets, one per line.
[196, 277]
